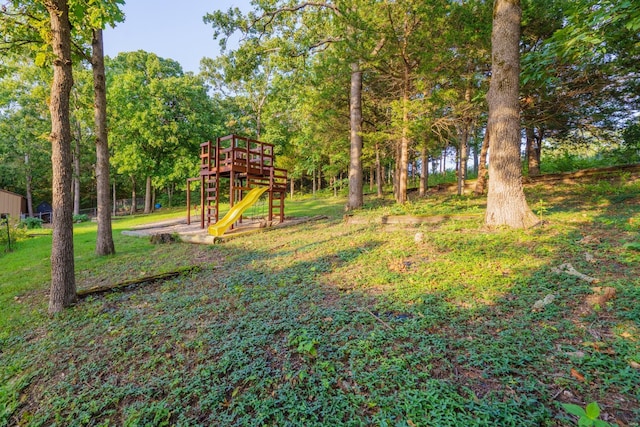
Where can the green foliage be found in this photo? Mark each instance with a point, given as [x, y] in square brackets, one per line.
[541, 208]
[30, 223]
[326, 322]
[587, 417]
[303, 343]
[80, 218]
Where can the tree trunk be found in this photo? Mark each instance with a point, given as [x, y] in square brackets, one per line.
[63, 282]
[404, 143]
[533, 160]
[104, 239]
[462, 157]
[29, 185]
[379, 172]
[355, 151]
[424, 171]
[482, 165]
[372, 180]
[506, 203]
[313, 181]
[133, 209]
[148, 196]
[292, 186]
[76, 176]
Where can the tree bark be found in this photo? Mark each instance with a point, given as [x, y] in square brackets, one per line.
[133, 208]
[292, 185]
[533, 152]
[29, 185]
[63, 283]
[403, 160]
[104, 239]
[313, 181]
[355, 200]
[482, 165]
[506, 203]
[462, 157]
[379, 172]
[424, 171]
[148, 199]
[76, 175]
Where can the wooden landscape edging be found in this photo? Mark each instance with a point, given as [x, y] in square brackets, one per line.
[613, 172]
[134, 282]
[405, 219]
[571, 177]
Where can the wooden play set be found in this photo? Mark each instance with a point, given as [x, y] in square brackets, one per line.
[249, 167]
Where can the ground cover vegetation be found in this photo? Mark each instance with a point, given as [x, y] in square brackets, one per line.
[370, 322]
[417, 75]
[341, 323]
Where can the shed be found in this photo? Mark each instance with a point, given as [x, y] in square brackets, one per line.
[12, 203]
[44, 211]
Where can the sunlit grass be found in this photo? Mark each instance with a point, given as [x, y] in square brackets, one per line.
[331, 321]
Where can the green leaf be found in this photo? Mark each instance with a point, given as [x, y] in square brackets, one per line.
[585, 422]
[593, 410]
[574, 409]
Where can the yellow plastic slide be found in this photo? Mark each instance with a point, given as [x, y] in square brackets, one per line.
[236, 211]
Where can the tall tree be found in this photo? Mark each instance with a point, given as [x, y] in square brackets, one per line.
[506, 203]
[63, 283]
[104, 239]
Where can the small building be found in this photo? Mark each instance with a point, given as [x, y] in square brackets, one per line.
[44, 211]
[13, 204]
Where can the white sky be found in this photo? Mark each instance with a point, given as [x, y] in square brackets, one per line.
[170, 29]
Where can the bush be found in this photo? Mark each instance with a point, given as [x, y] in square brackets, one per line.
[81, 218]
[30, 223]
[14, 233]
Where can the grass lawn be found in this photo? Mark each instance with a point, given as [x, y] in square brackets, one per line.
[332, 323]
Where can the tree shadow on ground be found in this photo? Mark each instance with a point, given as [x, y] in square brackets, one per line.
[332, 324]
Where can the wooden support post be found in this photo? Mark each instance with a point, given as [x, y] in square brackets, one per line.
[188, 201]
[202, 205]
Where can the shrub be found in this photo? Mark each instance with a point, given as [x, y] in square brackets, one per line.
[30, 223]
[14, 233]
[81, 218]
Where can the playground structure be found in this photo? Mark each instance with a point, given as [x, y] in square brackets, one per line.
[249, 167]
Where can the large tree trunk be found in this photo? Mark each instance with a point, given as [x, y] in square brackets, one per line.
[104, 240]
[355, 151]
[63, 282]
[148, 197]
[482, 165]
[403, 159]
[506, 203]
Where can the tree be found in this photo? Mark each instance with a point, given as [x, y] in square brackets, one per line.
[63, 283]
[104, 239]
[313, 26]
[25, 123]
[506, 203]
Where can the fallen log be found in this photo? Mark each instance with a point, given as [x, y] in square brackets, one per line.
[136, 282]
